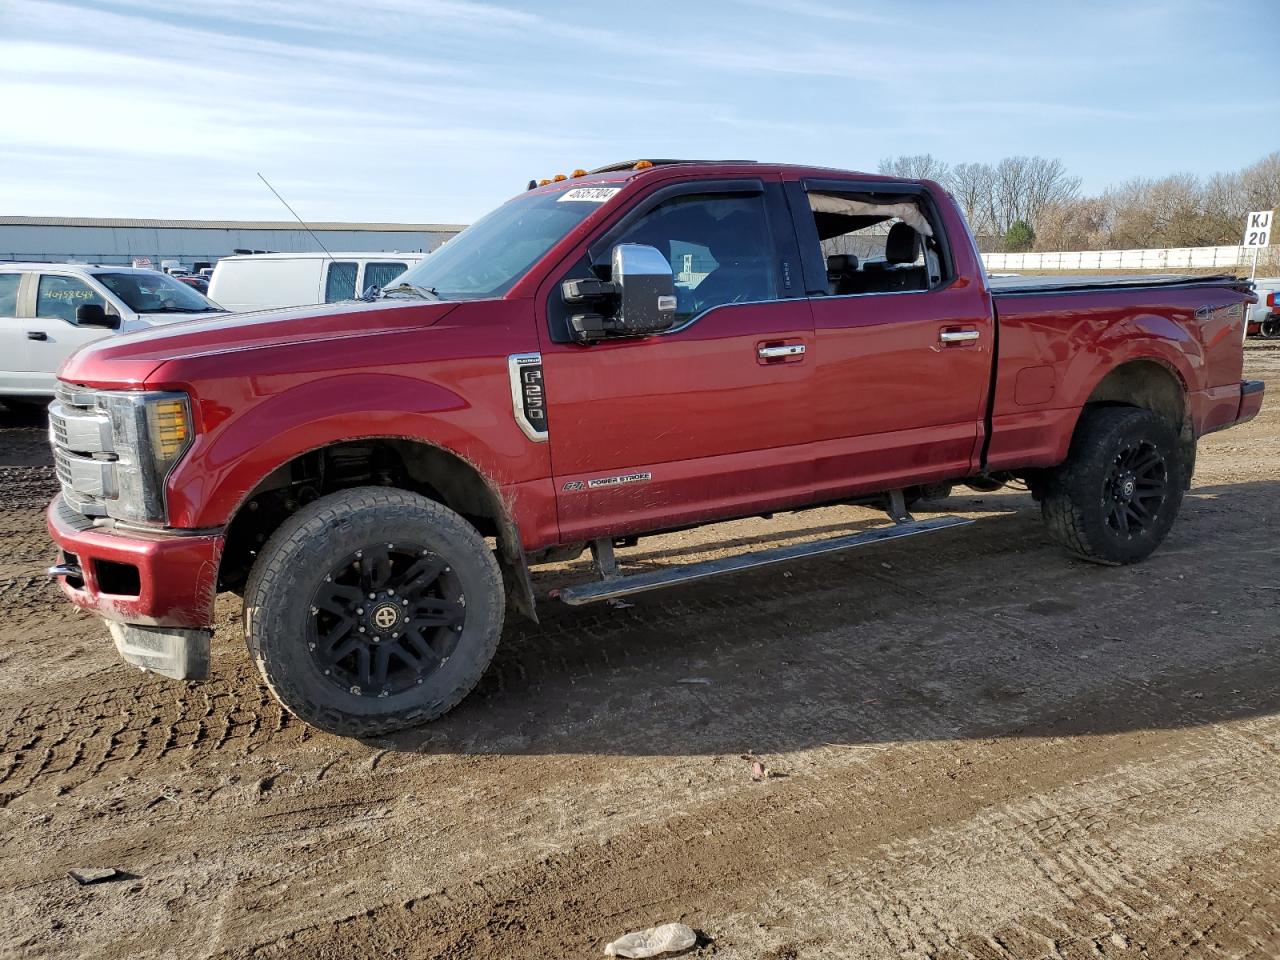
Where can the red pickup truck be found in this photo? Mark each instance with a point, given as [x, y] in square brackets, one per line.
[646, 347]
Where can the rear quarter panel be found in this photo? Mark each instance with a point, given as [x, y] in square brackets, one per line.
[1055, 348]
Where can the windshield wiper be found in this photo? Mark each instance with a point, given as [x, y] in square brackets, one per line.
[422, 293]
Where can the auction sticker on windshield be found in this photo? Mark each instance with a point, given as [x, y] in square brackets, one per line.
[589, 194]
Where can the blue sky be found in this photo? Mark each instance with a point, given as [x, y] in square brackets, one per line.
[436, 110]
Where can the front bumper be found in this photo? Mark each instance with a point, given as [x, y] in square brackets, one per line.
[155, 590]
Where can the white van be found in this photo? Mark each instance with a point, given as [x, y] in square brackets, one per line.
[49, 310]
[265, 280]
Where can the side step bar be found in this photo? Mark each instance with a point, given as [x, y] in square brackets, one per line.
[621, 586]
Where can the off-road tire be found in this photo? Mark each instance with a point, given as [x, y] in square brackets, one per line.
[1075, 507]
[277, 606]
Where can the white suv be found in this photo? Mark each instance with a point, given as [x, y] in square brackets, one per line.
[48, 310]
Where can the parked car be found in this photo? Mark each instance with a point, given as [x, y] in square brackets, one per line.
[268, 280]
[1264, 316]
[195, 282]
[646, 348]
[49, 310]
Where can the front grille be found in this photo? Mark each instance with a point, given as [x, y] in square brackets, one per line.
[58, 429]
[62, 468]
[83, 450]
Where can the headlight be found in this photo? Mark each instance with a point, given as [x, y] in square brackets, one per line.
[151, 431]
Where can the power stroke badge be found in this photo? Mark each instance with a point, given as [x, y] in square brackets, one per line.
[608, 481]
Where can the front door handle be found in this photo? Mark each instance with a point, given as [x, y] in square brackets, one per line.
[781, 352]
[959, 336]
[37, 335]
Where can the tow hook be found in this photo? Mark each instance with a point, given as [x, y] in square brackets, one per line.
[65, 570]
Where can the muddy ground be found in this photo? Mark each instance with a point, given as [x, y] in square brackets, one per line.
[977, 748]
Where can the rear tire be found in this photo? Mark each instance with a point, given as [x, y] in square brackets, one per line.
[1270, 329]
[372, 610]
[1118, 493]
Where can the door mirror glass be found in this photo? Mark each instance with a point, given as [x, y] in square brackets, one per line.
[93, 315]
[646, 289]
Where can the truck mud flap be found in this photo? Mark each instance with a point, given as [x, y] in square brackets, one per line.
[169, 651]
[621, 586]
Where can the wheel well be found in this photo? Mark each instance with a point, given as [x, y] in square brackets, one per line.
[384, 461]
[1153, 386]
[1143, 383]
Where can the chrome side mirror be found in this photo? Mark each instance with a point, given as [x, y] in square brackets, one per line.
[646, 290]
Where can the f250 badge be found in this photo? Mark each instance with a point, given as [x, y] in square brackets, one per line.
[528, 394]
[608, 481]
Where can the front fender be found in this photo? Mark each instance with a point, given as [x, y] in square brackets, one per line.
[239, 444]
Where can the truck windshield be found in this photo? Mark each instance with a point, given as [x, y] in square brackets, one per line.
[487, 258]
[149, 291]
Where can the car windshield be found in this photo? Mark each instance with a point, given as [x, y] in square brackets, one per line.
[487, 258]
[149, 291]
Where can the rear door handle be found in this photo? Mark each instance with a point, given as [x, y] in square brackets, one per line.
[37, 335]
[959, 336]
[781, 352]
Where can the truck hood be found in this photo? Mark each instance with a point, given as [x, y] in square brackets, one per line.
[128, 360]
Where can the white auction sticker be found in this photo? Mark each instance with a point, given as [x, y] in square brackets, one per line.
[588, 194]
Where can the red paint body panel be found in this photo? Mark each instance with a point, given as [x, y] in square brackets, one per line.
[877, 401]
[178, 574]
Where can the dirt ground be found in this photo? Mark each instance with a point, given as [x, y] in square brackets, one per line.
[976, 746]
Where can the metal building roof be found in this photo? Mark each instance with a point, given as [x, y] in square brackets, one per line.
[227, 224]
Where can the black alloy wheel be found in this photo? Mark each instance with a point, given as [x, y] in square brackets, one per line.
[373, 609]
[1135, 489]
[385, 618]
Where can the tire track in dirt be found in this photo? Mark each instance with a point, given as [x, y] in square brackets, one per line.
[870, 843]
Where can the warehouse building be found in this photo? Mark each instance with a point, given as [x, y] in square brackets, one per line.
[196, 243]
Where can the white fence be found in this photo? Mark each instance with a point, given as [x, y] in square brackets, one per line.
[1170, 258]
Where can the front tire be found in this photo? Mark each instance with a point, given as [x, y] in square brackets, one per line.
[372, 610]
[1118, 493]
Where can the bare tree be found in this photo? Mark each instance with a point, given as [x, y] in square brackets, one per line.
[1080, 224]
[920, 166]
[971, 185]
[1260, 183]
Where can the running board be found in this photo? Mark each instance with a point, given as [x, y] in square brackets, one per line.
[621, 586]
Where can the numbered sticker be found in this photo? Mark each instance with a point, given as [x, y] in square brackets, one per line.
[588, 194]
[1257, 229]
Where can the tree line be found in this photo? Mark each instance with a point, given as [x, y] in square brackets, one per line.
[1034, 203]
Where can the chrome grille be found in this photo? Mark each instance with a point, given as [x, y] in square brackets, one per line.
[58, 430]
[62, 468]
[83, 450]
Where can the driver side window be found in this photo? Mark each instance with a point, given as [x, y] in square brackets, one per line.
[719, 248]
[57, 297]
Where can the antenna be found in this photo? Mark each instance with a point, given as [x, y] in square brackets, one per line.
[298, 218]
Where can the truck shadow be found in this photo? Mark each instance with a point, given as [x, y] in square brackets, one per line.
[987, 631]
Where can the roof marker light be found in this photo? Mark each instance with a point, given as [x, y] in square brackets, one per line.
[558, 177]
[543, 183]
[579, 172]
[643, 165]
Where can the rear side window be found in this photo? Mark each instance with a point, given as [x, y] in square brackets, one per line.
[340, 282]
[9, 294]
[382, 273]
[59, 296]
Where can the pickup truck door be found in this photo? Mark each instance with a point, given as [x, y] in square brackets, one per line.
[903, 375]
[52, 333]
[13, 338]
[710, 418]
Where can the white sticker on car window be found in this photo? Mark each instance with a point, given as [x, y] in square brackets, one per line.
[588, 194]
